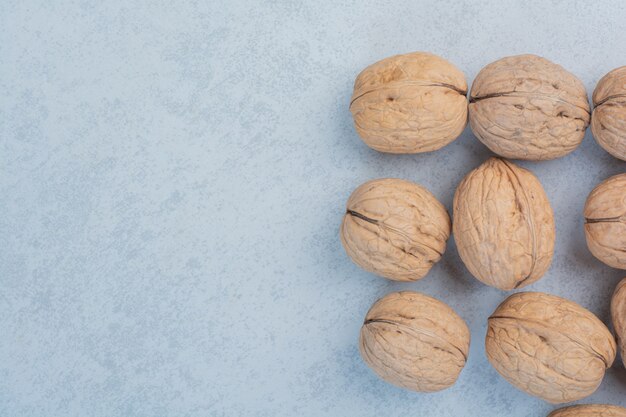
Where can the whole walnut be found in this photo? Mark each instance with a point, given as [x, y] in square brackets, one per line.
[605, 221]
[409, 103]
[414, 341]
[590, 410]
[618, 316]
[548, 346]
[526, 107]
[395, 229]
[503, 225]
[608, 121]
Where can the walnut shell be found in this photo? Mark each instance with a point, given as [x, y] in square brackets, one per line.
[590, 410]
[608, 121]
[503, 225]
[409, 103]
[414, 341]
[548, 346]
[605, 221]
[395, 229]
[618, 317]
[526, 107]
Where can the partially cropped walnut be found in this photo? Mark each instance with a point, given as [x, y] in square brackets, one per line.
[503, 225]
[590, 410]
[395, 229]
[414, 341]
[526, 107]
[409, 103]
[548, 346]
[618, 316]
[605, 221]
[608, 121]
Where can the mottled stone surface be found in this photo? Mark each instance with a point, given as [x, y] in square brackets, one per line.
[173, 178]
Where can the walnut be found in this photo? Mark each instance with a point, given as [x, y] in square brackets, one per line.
[526, 107]
[414, 341]
[608, 121]
[503, 225]
[590, 410]
[395, 229]
[605, 221]
[548, 346]
[409, 103]
[618, 316]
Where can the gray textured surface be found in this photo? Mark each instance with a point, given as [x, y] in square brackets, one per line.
[172, 179]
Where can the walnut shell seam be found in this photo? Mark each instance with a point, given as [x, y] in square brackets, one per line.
[407, 83]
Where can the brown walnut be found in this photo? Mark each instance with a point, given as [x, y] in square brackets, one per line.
[548, 346]
[414, 341]
[605, 221]
[503, 225]
[608, 121]
[395, 229]
[618, 316]
[590, 410]
[526, 107]
[409, 103]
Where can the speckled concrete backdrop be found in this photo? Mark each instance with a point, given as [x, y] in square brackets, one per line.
[172, 178]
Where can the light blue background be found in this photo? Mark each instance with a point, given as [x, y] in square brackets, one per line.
[172, 179]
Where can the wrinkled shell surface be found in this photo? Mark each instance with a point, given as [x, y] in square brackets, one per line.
[608, 121]
[395, 229]
[590, 410]
[605, 221]
[414, 341]
[503, 225]
[526, 107]
[548, 346]
[409, 103]
[618, 316]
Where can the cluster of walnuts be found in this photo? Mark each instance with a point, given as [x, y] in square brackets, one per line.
[520, 107]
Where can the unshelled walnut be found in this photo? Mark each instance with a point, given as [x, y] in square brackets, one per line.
[608, 121]
[409, 103]
[618, 316]
[526, 107]
[590, 410]
[503, 225]
[414, 341]
[548, 346]
[395, 229]
[605, 221]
